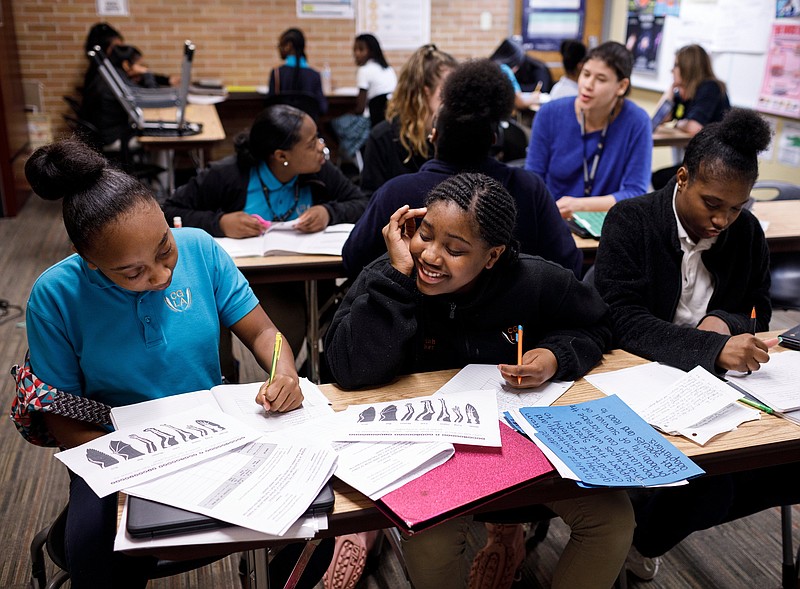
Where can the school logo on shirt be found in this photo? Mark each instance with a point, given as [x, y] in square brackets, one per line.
[179, 300]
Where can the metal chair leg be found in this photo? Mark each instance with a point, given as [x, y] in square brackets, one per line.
[789, 568]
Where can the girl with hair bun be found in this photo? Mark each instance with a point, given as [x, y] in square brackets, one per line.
[682, 268]
[443, 296]
[133, 315]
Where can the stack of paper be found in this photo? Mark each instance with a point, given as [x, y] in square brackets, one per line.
[775, 383]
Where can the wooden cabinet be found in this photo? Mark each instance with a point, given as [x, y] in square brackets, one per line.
[13, 122]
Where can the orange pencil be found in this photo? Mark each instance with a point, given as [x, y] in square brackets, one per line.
[519, 350]
[752, 328]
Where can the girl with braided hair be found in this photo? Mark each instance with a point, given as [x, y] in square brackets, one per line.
[442, 297]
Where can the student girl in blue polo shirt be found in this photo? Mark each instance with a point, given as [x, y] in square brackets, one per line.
[133, 315]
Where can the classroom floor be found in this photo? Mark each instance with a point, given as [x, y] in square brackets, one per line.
[740, 555]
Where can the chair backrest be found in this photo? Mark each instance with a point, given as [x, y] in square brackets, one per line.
[775, 190]
[305, 102]
[84, 130]
[377, 108]
[512, 142]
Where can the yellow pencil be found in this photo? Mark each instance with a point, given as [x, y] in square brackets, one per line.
[276, 353]
[519, 350]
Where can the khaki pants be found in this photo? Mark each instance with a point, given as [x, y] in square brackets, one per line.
[601, 531]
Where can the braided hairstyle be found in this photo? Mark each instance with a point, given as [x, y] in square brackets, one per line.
[488, 203]
[297, 40]
[475, 98]
[95, 193]
[728, 150]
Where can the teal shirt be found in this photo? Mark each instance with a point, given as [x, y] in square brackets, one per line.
[90, 337]
[274, 201]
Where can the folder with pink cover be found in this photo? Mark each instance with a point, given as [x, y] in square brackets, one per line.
[473, 476]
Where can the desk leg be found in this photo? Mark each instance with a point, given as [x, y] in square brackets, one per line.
[257, 568]
[312, 330]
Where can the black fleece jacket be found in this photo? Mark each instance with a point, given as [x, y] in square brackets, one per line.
[385, 327]
[638, 273]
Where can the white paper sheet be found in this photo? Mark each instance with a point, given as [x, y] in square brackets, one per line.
[303, 529]
[469, 417]
[776, 383]
[141, 453]
[264, 486]
[487, 377]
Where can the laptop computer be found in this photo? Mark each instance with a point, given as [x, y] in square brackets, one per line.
[134, 98]
[150, 519]
[662, 112]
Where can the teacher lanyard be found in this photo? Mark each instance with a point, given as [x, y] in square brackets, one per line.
[286, 214]
[589, 171]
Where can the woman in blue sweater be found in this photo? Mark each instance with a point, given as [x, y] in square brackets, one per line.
[596, 148]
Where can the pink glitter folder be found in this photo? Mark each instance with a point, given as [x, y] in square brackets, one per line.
[472, 477]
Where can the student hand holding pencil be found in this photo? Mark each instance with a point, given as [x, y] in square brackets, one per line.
[744, 352]
[537, 367]
[281, 392]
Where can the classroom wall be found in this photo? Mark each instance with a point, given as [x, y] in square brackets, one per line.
[647, 99]
[236, 39]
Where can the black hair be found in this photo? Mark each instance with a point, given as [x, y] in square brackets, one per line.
[373, 49]
[122, 53]
[488, 203]
[475, 98]
[572, 54]
[101, 34]
[617, 57]
[509, 52]
[297, 40]
[276, 127]
[95, 193]
[728, 150]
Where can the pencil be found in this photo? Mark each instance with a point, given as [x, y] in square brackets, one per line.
[519, 349]
[538, 86]
[752, 329]
[276, 353]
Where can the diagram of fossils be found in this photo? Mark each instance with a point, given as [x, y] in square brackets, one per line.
[130, 456]
[469, 417]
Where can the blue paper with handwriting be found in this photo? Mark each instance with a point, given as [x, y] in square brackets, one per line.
[606, 444]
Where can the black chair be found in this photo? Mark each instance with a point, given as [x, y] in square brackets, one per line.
[511, 143]
[377, 108]
[305, 102]
[51, 538]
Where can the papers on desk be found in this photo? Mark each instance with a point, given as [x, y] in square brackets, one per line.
[465, 418]
[776, 383]
[604, 443]
[264, 485]
[696, 405]
[486, 377]
[141, 453]
[329, 242]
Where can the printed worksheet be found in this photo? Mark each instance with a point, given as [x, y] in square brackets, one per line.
[486, 377]
[468, 417]
[141, 453]
[265, 485]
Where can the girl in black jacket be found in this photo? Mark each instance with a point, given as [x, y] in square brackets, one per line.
[444, 296]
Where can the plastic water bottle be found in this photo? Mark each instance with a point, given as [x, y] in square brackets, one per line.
[327, 88]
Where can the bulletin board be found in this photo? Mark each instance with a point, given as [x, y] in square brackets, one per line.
[735, 33]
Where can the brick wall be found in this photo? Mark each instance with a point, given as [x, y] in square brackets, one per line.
[236, 39]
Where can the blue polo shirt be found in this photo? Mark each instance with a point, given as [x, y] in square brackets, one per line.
[278, 201]
[90, 337]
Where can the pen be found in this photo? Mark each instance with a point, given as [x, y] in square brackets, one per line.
[752, 330]
[519, 348]
[757, 405]
[276, 353]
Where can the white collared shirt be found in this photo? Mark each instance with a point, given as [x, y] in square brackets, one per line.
[697, 284]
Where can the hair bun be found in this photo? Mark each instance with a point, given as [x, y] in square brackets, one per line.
[63, 169]
[745, 131]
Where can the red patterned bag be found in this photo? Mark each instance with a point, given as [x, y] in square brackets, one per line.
[34, 397]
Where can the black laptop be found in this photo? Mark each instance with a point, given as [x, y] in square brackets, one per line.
[150, 519]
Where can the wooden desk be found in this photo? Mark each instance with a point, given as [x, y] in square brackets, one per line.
[783, 232]
[309, 269]
[212, 132]
[767, 442]
[668, 136]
